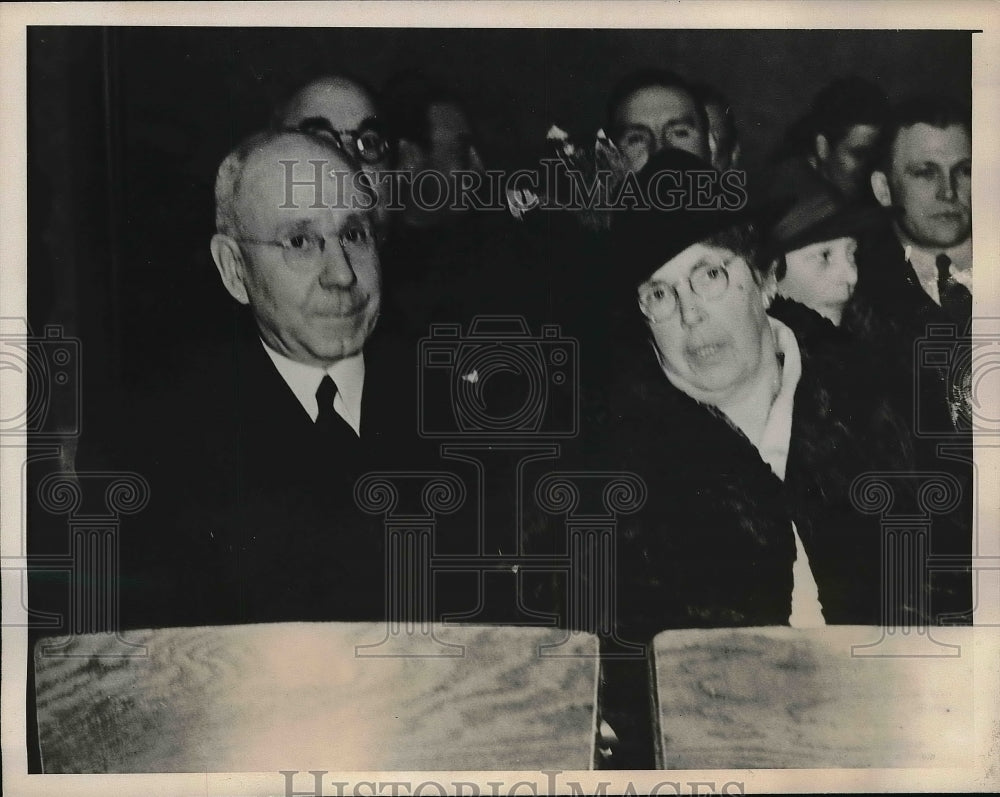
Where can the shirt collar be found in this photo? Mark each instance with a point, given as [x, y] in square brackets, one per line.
[924, 264]
[303, 380]
[924, 261]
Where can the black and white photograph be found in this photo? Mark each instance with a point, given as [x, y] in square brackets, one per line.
[501, 398]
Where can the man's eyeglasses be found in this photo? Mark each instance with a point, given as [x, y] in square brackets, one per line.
[636, 139]
[658, 301]
[301, 250]
[367, 143]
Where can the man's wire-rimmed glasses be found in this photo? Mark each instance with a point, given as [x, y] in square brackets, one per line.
[367, 143]
[302, 250]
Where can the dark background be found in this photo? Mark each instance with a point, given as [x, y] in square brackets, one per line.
[127, 126]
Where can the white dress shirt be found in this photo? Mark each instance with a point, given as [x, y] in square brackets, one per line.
[924, 262]
[347, 374]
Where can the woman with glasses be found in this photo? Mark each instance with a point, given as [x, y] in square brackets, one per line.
[747, 443]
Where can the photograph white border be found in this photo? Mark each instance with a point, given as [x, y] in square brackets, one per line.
[947, 14]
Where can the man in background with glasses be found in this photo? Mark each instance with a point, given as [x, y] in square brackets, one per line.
[346, 112]
[653, 109]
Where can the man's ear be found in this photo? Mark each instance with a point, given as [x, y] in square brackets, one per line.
[410, 155]
[821, 146]
[736, 157]
[476, 161]
[229, 261]
[880, 187]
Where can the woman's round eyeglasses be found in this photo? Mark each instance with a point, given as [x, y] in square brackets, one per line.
[658, 300]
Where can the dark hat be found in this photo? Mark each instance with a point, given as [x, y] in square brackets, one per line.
[819, 216]
[683, 201]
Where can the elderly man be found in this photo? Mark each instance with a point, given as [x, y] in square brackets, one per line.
[251, 453]
[748, 444]
[652, 109]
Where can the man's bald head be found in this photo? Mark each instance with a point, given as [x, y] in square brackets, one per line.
[264, 150]
[296, 243]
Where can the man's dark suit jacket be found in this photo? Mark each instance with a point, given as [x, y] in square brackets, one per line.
[252, 516]
[907, 323]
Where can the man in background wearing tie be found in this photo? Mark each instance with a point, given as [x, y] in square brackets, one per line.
[916, 271]
[924, 175]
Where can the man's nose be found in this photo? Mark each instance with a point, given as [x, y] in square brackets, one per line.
[336, 271]
[947, 190]
[663, 141]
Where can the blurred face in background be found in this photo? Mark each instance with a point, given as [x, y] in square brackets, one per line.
[657, 117]
[722, 143]
[435, 164]
[847, 162]
[452, 146]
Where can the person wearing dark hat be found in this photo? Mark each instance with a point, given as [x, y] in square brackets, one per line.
[814, 246]
[813, 250]
[748, 445]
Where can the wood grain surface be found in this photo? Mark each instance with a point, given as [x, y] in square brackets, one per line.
[296, 696]
[773, 698]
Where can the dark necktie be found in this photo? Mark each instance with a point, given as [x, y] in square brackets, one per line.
[334, 429]
[956, 300]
